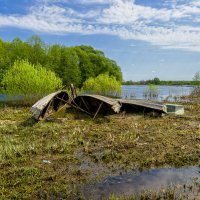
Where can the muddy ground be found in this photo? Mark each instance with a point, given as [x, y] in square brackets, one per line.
[57, 156]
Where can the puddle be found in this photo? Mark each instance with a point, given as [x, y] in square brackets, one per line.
[138, 182]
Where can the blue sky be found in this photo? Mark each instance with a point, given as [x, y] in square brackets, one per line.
[147, 38]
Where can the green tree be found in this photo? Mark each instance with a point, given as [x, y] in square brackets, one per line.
[54, 58]
[196, 78]
[18, 50]
[37, 52]
[71, 64]
[69, 69]
[4, 58]
[85, 64]
[29, 81]
[102, 84]
[156, 81]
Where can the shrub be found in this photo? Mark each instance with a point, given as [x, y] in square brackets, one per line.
[151, 93]
[29, 82]
[196, 88]
[103, 84]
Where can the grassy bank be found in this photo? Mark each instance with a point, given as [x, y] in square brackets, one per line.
[39, 160]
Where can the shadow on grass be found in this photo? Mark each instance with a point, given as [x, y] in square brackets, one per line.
[30, 122]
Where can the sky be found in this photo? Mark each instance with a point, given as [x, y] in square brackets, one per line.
[147, 38]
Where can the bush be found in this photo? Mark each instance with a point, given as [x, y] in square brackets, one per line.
[151, 93]
[103, 84]
[29, 82]
[196, 88]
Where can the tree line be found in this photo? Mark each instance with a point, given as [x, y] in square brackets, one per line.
[157, 81]
[72, 64]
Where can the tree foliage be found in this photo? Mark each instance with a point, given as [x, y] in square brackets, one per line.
[71, 64]
[196, 78]
[103, 84]
[157, 81]
[29, 81]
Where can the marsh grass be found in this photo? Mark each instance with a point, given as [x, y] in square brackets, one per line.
[81, 150]
[151, 93]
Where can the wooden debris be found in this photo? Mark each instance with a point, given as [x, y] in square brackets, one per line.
[94, 104]
[49, 104]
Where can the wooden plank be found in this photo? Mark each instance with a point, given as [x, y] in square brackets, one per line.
[98, 110]
[145, 104]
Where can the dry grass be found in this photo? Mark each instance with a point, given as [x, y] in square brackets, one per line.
[81, 150]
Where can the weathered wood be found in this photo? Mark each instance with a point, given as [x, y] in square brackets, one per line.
[85, 104]
[117, 105]
[98, 110]
[74, 105]
[52, 102]
[92, 101]
[143, 105]
[92, 105]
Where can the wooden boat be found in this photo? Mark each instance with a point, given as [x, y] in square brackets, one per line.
[49, 104]
[142, 106]
[94, 104]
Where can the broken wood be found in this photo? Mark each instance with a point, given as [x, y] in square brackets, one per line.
[98, 110]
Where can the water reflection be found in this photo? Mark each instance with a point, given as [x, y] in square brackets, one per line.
[135, 183]
[163, 92]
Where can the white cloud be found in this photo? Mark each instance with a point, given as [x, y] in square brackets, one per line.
[126, 12]
[123, 18]
[95, 1]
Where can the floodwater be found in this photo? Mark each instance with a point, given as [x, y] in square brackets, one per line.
[163, 92]
[138, 91]
[4, 98]
[148, 180]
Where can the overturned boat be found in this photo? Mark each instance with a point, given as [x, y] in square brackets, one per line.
[142, 106]
[94, 104]
[49, 104]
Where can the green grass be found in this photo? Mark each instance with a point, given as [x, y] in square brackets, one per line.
[82, 150]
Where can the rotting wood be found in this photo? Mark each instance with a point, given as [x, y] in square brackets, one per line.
[93, 101]
[85, 104]
[143, 106]
[74, 105]
[50, 103]
[98, 110]
[117, 105]
[92, 105]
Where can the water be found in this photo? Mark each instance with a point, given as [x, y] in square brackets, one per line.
[137, 92]
[135, 183]
[164, 92]
[4, 98]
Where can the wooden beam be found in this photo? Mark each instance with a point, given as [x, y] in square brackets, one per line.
[98, 110]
